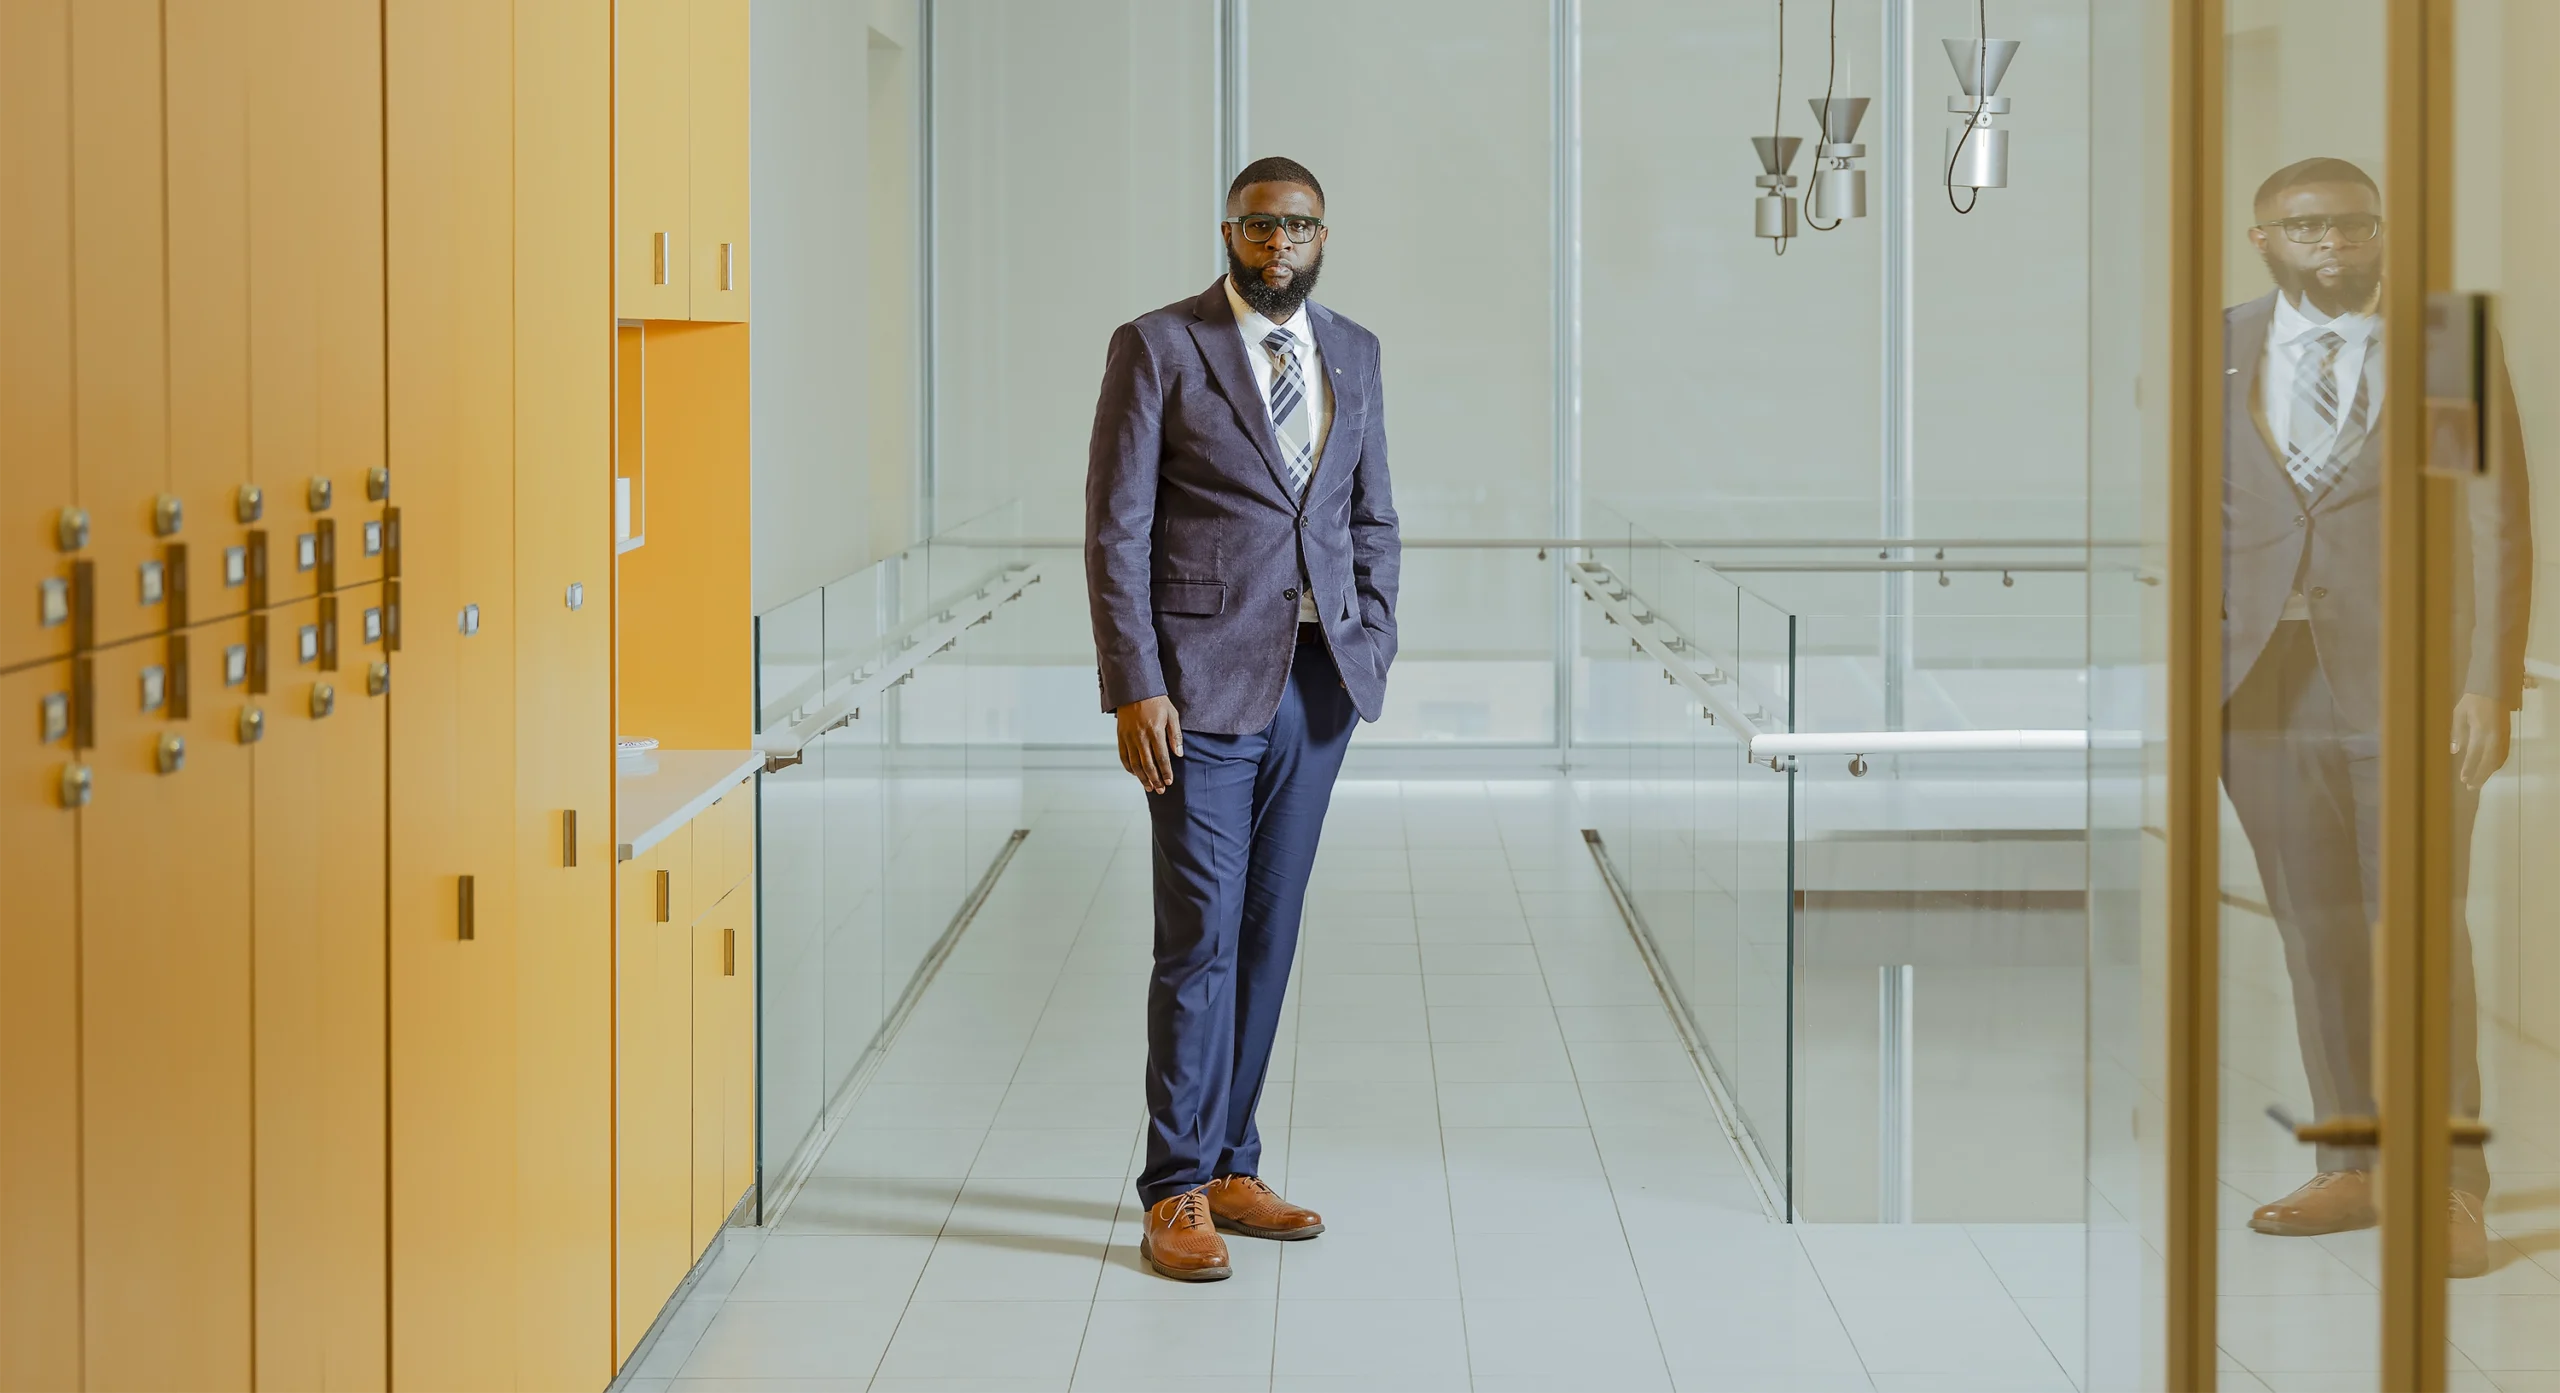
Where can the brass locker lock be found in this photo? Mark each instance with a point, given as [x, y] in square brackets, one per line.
[324, 699]
[253, 725]
[251, 504]
[318, 494]
[71, 529]
[377, 484]
[377, 679]
[168, 515]
[76, 785]
[170, 752]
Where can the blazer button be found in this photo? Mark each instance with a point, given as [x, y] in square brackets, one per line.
[2319, 592]
[1289, 594]
[2299, 519]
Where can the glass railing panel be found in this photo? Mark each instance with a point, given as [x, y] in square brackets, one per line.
[1941, 905]
[856, 986]
[791, 886]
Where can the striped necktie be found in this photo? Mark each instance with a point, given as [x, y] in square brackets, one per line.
[1289, 409]
[2321, 440]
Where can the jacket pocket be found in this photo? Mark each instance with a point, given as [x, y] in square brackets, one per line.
[1190, 597]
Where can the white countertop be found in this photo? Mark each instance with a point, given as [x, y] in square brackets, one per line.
[657, 793]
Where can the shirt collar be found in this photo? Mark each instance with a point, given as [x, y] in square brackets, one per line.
[1257, 327]
[2294, 323]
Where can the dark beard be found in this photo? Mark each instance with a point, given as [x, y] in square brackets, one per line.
[2352, 294]
[1271, 302]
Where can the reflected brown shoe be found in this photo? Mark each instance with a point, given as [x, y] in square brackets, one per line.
[2466, 1237]
[1243, 1204]
[2330, 1202]
[1181, 1242]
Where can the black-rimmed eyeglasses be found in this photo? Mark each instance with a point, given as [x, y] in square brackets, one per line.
[2352, 227]
[1258, 227]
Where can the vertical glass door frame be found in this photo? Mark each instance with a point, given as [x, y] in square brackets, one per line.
[2192, 1081]
[2414, 961]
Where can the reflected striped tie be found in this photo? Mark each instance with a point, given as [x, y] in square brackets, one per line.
[1289, 409]
[2322, 440]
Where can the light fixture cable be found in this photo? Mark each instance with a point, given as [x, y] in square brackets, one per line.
[1981, 97]
[1778, 109]
[1830, 83]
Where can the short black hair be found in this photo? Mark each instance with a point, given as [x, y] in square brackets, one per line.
[2321, 170]
[1274, 169]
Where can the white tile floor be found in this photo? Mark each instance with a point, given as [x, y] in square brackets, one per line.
[1523, 1182]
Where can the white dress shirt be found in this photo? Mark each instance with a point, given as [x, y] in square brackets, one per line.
[2290, 331]
[1254, 329]
[2289, 334]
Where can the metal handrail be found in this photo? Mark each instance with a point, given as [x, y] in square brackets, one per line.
[840, 702]
[1647, 632]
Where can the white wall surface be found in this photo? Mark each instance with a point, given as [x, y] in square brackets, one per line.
[816, 508]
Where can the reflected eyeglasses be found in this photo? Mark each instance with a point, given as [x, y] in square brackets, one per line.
[1258, 227]
[2352, 227]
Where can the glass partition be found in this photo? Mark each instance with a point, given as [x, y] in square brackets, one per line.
[874, 839]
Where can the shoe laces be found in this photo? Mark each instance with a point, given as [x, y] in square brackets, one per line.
[1190, 1210]
[2466, 1209]
[1260, 1189]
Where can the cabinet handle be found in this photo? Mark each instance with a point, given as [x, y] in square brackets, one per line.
[658, 258]
[728, 952]
[462, 909]
[569, 838]
[666, 896]
[728, 267]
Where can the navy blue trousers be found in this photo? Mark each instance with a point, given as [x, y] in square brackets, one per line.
[1235, 839]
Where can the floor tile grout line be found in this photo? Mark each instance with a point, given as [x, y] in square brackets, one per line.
[1653, 1321]
[1440, 1131]
[2078, 1378]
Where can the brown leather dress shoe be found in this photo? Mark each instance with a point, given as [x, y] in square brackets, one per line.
[1180, 1241]
[2466, 1237]
[1243, 1204]
[2330, 1202]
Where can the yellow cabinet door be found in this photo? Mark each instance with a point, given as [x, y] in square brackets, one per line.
[738, 1043]
[563, 712]
[651, 151]
[36, 477]
[119, 340]
[450, 275]
[719, 141]
[653, 1080]
[39, 1035]
[317, 829]
[165, 999]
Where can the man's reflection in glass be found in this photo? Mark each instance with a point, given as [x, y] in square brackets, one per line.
[2303, 397]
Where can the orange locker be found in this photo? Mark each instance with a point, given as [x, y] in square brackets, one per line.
[317, 828]
[450, 266]
[119, 341]
[209, 47]
[718, 182]
[39, 1034]
[165, 999]
[314, 328]
[653, 1104]
[36, 476]
[652, 149]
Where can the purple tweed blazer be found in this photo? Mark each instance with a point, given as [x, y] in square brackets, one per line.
[1195, 547]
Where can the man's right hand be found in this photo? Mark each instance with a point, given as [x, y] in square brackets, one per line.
[1150, 741]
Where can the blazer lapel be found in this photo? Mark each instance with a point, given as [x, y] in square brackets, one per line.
[2247, 342]
[1213, 328]
[1348, 403]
